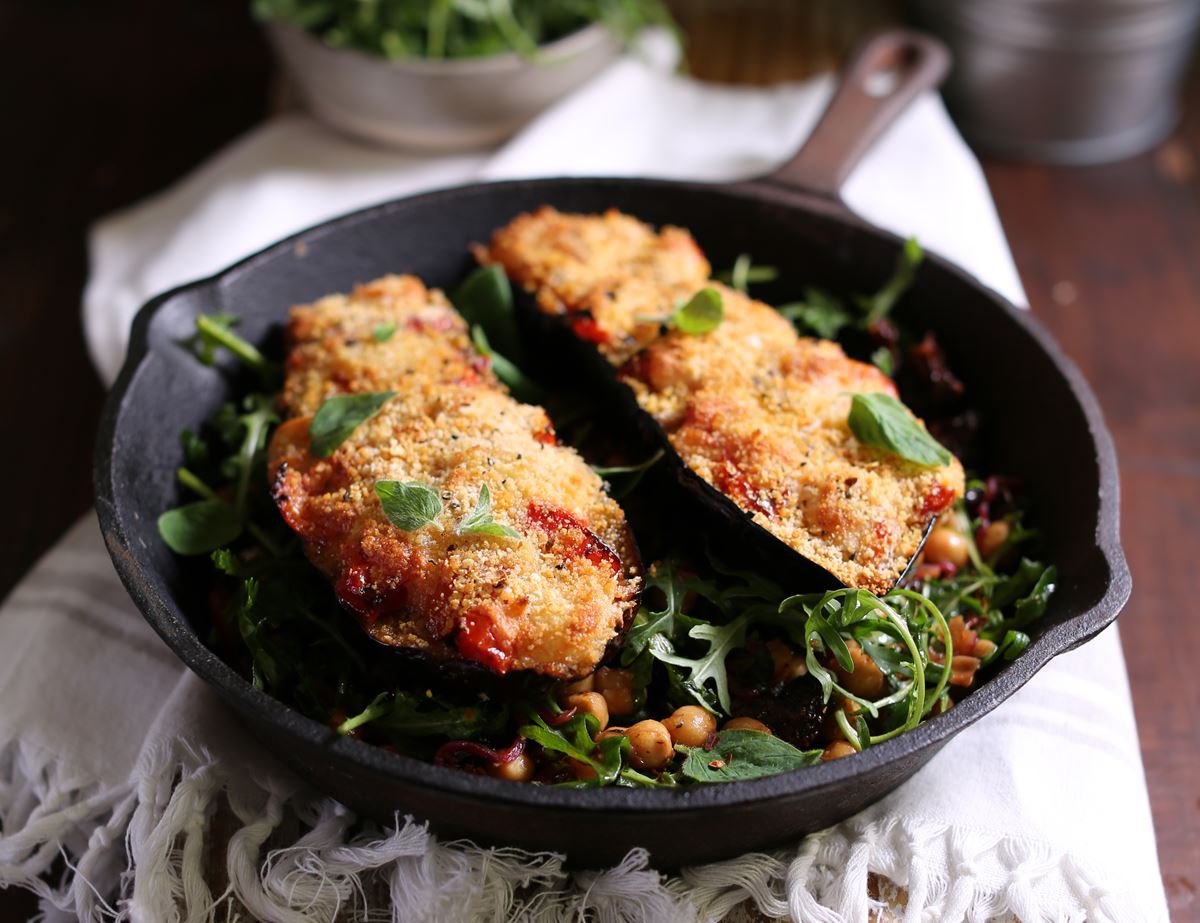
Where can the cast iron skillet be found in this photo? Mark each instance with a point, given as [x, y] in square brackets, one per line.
[1041, 422]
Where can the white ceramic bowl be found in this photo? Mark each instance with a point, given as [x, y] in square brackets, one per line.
[436, 105]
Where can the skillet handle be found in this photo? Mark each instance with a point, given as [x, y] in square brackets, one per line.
[882, 78]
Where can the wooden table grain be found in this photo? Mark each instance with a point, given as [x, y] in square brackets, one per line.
[107, 104]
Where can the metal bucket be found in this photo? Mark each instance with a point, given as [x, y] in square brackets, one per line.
[1064, 81]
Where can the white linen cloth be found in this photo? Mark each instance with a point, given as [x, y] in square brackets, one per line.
[112, 755]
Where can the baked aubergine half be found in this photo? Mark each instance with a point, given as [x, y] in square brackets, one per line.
[445, 513]
[756, 418]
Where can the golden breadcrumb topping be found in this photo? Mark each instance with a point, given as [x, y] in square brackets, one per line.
[753, 408]
[610, 274]
[384, 335]
[549, 600]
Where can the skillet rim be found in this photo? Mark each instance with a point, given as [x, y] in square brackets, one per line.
[172, 626]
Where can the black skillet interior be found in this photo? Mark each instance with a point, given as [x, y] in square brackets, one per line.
[1041, 424]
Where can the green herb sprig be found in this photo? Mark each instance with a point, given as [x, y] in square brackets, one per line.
[700, 314]
[882, 422]
[826, 316]
[744, 274]
[480, 522]
[339, 416]
[409, 505]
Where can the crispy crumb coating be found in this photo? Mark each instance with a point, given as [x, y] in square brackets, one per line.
[609, 274]
[756, 410]
[333, 349]
[549, 601]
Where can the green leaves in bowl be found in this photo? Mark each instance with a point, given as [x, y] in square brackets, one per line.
[399, 29]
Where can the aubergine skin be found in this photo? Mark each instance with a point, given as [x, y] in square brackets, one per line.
[754, 419]
[689, 500]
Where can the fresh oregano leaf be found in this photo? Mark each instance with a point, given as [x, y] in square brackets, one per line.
[881, 421]
[480, 521]
[408, 505]
[200, 527]
[702, 313]
[337, 418]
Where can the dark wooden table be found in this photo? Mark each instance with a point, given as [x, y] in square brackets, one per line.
[105, 104]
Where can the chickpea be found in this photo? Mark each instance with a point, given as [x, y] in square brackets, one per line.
[946, 546]
[583, 772]
[992, 536]
[649, 745]
[616, 685]
[690, 725]
[611, 732]
[837, 750]
[587, 684]
[788, 665]
[745, 724]
[590, 703]
[519, 769]
[830, 728]
[866, 681]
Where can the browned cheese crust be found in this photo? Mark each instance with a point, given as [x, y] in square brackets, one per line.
[610, 274]
[549, 601]
[333, 346]
[756, 410]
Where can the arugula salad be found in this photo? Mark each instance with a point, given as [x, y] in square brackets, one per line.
[723, 675]
[399, 29]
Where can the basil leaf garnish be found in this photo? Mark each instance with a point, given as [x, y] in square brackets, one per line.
[744, 754]
[480, 521]
[702, 313]
[340, 416]
[881, 421]
[200, 527]
[408, 505]
[485, 299]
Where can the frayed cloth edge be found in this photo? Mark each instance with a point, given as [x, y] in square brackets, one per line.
[137, 852]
